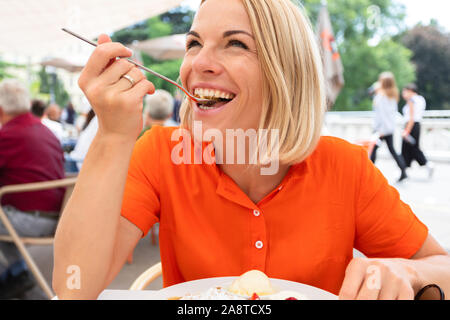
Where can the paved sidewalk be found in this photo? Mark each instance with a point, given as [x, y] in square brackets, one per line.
[428, 198]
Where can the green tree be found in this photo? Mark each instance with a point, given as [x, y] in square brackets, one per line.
[170, 69]
[363, 64]
[4, 66]
[3, 72]
[358, 24]
[175, 21]
[360, 18]
[431, 55]
[51, 82]
[148, 29]
[180, 18]
[138, 32]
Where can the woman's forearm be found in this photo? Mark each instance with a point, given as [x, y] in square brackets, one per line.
[410, 124]
[86, 234]
[433, 270]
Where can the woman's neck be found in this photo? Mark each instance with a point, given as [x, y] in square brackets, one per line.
[250, 180]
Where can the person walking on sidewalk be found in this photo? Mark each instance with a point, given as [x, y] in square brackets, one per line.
[385, 107]
[413, 114]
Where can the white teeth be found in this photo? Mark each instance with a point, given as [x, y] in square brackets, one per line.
[202, 93]
[203, 107]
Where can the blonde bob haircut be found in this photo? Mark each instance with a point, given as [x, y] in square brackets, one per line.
[389, 86]
[293, 81]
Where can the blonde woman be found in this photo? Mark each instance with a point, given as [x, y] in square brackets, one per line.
[385, 107]
[260, 60]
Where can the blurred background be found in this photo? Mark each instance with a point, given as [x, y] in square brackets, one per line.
[410, 38]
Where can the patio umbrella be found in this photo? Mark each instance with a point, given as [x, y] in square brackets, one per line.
[63, 64]
[163, 48]
[33, 28]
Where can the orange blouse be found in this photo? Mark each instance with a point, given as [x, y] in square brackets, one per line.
[304, 230]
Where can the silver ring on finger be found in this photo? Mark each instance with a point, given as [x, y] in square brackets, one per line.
[129, 78]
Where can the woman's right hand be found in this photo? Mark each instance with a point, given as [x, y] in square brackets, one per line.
[117, 104]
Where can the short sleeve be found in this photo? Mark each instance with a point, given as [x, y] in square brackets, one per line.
[419, 102]
[377, 101]
[141, 204]
[386, 227]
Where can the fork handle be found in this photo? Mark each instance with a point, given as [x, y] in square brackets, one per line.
[137, 65]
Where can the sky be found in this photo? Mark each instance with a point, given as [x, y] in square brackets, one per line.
[416, 11]
[424, 11]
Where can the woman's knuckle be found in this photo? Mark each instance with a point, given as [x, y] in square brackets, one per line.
[140, 75]
[123, 63]
[90, 91]
[94, 90]
[81, 82]
[135, 70]
[102, 52]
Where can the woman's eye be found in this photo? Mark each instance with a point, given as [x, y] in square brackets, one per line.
[237, 43]
[192, 44]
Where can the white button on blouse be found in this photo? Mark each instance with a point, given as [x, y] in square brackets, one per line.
[259, 244]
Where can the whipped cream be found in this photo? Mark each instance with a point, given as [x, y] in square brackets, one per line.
[216, 293]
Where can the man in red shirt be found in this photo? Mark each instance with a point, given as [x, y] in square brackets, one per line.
[29, 152]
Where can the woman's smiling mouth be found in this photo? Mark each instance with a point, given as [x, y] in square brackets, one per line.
[220, 97]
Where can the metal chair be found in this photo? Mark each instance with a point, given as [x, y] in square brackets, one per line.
[20, 242]
[147, 277]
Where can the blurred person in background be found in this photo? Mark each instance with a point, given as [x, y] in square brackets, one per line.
[40, 110]
[159, 110]
[83, 109]
[374, 89]
[69, 114]
[53, 112]
[29, 152]
[178, 98]
[413, 114]
[385, 106]
[75, 159]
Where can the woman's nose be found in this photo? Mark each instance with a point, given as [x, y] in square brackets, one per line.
[206, 62]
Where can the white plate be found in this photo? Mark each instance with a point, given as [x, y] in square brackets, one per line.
[198, 286]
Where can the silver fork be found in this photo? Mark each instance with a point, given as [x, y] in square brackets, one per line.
[194, 98]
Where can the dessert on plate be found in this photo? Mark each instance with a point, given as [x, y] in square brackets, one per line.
[252, 285]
